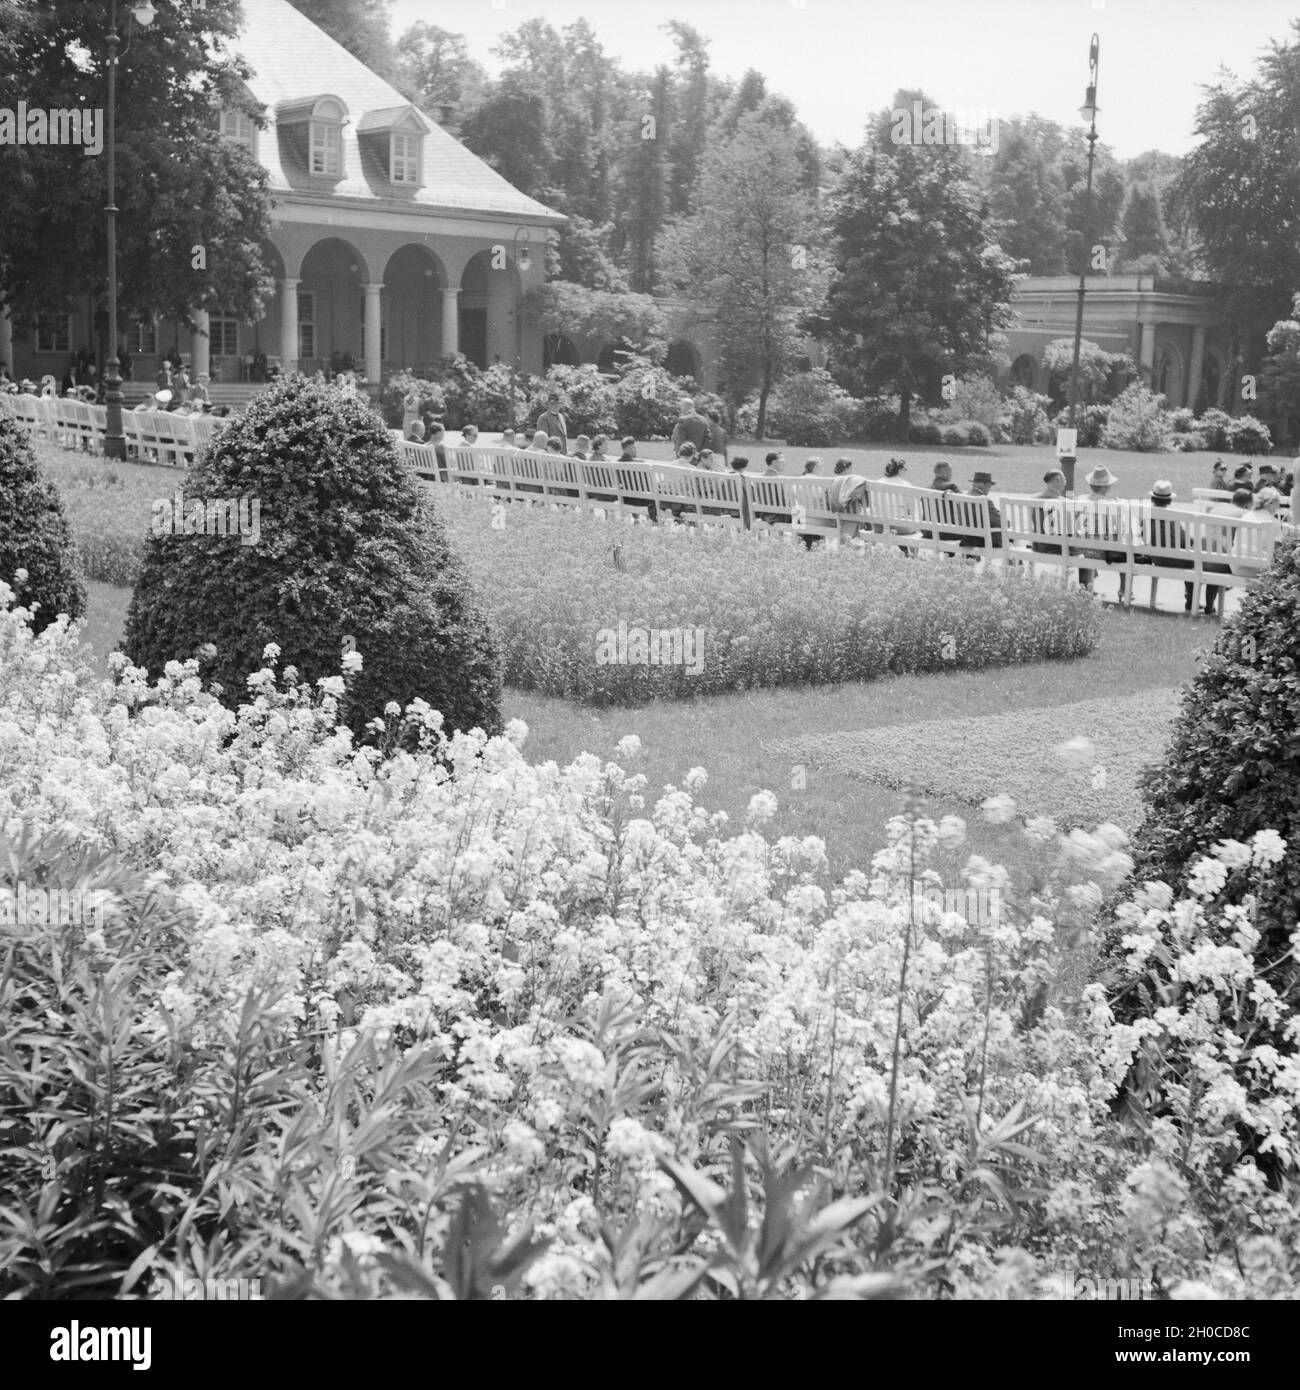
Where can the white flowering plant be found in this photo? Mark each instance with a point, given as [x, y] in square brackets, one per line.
[368, 1009]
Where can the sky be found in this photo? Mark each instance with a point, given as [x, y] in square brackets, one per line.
[838, 60]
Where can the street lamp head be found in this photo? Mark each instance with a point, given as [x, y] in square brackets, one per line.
[525, 260]
[144, 14]
[1089, 108]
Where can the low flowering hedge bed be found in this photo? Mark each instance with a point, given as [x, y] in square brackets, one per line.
[566, 594]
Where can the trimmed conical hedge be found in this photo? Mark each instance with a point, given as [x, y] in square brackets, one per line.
[348, 546]
[34, 534]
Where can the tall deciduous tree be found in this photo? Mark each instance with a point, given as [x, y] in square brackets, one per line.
[1146, 243]
[644, 181]
[192, 207]
[435, 69]
[1240, 187]
[361, 26]
[1027, 196]
[747, 257]
[920, 287]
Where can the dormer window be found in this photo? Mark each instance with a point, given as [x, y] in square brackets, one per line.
[311, 130]
[404, 158]
[327, 139]
[392, 141]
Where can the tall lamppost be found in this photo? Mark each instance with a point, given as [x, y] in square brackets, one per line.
[524, 261]
[114, 439]
[1089, 113]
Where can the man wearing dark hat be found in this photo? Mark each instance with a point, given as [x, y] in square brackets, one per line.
[981, 485]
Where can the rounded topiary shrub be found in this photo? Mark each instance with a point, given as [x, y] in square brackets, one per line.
[34, 534]
[954, 436]
[344, 544]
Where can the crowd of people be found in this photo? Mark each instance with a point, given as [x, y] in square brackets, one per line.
[177, 391]
[699, 441]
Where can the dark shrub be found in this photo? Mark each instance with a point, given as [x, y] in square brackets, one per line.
[1233, 768]
[646, 399]
[34, 534]
[979, 434]
[349, 547]
[473, 396]
[1092, 421]
[1247, 435]
[1214, 425]
[954, 436]
[876, 419]
[925, 432]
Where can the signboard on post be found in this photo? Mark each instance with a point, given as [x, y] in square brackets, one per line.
[1066, 453]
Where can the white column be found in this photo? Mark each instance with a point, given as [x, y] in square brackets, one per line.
[201, 343]
[1197, 367]
[7, 342]
[289, 325]
[1147, 356]
[450, 322]
[371, 335]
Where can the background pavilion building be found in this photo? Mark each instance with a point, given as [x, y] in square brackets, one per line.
[391, 243]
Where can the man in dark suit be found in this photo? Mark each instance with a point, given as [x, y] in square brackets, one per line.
[1047, 519]
[438, 438]
[981, 485]
[691, 428]
[718, 440]
[553, 422]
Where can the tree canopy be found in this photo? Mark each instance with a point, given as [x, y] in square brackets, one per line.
[920, 286]
[747, 258]
[192, 208]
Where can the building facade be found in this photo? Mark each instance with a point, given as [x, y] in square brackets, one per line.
[1170, 328]
[391, 245]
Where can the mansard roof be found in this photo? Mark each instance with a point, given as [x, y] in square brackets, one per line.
[295, 65]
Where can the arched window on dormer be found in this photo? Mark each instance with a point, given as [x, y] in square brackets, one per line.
[311, 135]
[326, 142]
